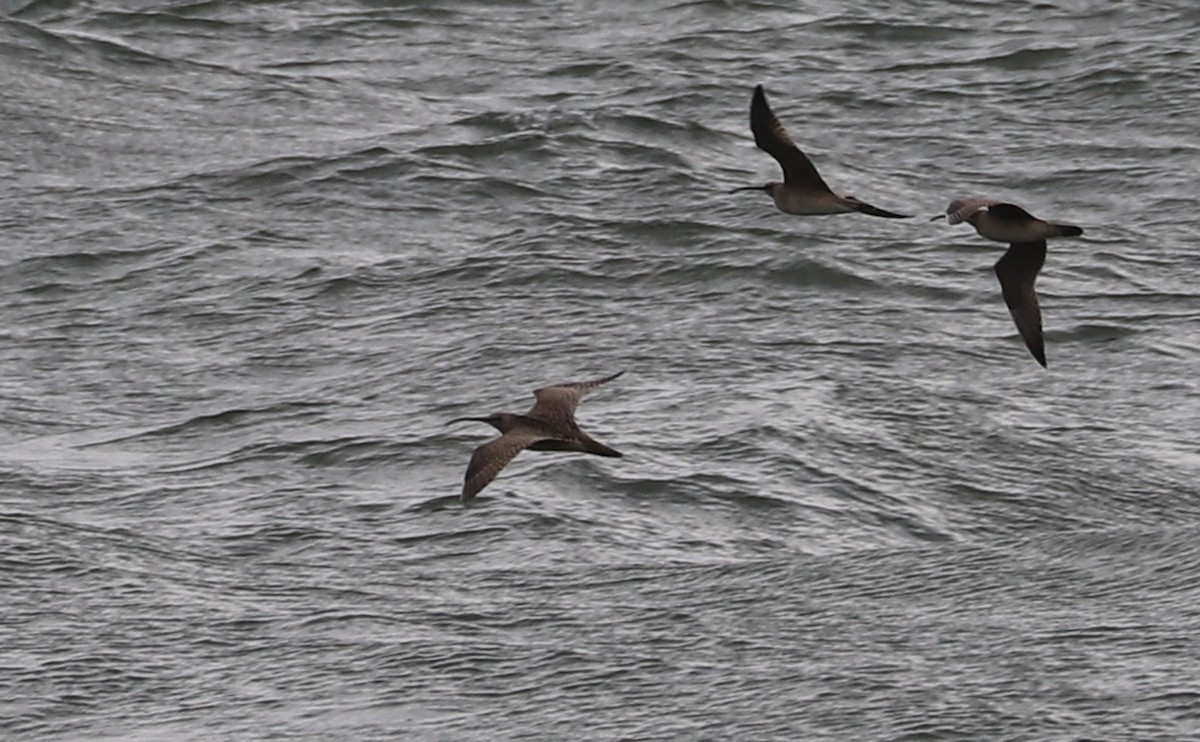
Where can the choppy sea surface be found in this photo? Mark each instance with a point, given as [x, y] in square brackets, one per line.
[253, 256]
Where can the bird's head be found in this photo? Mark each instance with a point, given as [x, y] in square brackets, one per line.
[962, 211]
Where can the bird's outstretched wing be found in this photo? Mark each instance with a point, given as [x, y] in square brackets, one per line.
[556, 404]
[491, 457]
[772, 138]
[1017, 270]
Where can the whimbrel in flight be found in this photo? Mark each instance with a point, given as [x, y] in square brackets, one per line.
[1018, 268]
[802, 191]
[548, 426]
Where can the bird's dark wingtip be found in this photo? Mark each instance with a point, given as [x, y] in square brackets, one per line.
[599, 449]
[610, 377]
[1037, 349]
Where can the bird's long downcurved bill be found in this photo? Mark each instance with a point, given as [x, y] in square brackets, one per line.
[749, 188]
[939, 216]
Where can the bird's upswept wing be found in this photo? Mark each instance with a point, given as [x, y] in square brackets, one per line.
[772, 138]
[556, 404]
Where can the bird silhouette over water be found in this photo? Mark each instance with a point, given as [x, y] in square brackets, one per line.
[548, 426]
[802, 191]
[1018, 268]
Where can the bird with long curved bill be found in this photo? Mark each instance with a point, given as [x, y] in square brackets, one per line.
[548, 426]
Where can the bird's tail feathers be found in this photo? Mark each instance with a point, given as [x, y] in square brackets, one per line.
[870, 210]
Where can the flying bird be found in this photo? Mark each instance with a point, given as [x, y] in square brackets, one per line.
[1018, 268]
[548, 426]
[802, 191]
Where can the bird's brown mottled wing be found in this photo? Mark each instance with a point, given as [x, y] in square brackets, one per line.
[556, 404]
[1017, 270]
[772, 138]
[491, 457]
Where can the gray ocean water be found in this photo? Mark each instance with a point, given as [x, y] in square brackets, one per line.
[253, 256]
